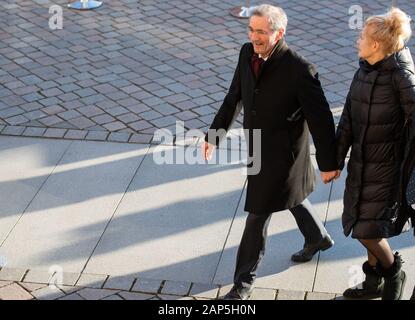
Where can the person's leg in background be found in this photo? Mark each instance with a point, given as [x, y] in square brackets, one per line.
[315, 234]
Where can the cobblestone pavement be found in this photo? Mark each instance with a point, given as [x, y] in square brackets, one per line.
[120, 72]
[16, 284]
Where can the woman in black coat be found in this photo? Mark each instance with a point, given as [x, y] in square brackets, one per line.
[379, 107]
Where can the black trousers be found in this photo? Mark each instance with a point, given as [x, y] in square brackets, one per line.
[252, 246]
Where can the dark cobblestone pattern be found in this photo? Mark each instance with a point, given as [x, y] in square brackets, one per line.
[122, 71]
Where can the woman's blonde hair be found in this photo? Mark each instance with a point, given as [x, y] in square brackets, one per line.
[392, 30]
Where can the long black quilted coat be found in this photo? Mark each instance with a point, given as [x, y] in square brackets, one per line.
[380, 100]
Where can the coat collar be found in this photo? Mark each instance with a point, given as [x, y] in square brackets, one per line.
[280, 48]
[399, 60]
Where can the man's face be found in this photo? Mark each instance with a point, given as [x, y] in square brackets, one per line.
[261, 36]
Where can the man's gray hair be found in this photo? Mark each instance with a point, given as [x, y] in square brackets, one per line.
[277, 17]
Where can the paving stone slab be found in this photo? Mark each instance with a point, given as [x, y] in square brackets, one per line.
[191, 221]
[320, 296]
[14, 292]
[69, 278]
[76, 134]
[95, 281]
[25, 165]
[121, 283]
[135, 296]
[48, 293]
[141, 138]
[13, 130]
[176, 288]
[12, 274]
[38, 276]
[34, 132]
[97, 135]
[73, 296]
[119, 137]
[147, 285]
[32, 286]
[95, 294]
[208, 291]
[69, 214]
[263, 294]
[290, 295]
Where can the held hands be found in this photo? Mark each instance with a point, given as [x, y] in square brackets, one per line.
[330, 175]
[207, 150]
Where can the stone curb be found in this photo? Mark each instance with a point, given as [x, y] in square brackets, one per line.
[116, 288]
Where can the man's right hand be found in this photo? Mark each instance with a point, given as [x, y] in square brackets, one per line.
[207, 150]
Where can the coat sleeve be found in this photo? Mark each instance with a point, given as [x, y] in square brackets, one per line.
[319, 118]
[406, 90]
[228, 111]
[344, 133]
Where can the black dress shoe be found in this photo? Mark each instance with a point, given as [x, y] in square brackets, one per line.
[309, 250]
[238, 293]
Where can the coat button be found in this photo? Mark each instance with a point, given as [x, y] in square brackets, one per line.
[253, 112]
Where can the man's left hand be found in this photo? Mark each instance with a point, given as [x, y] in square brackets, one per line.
[329, 176]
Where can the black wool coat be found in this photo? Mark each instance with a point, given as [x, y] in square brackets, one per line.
[380, 101]
[285, 102]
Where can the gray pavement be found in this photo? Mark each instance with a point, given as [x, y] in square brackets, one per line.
[90, 209]
[103, 220]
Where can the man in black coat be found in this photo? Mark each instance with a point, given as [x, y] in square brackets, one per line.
[281, 96]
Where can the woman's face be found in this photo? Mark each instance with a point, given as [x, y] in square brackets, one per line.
[366, 46]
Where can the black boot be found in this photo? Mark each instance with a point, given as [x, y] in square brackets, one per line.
[371, 288]
[395, 279]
